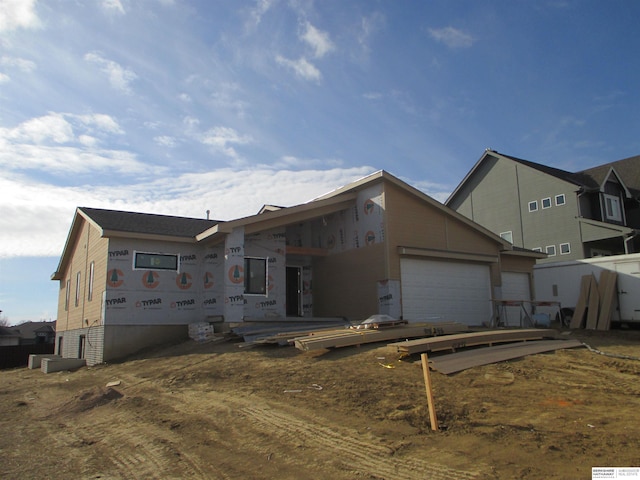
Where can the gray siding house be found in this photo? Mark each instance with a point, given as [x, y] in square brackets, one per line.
[568, 216]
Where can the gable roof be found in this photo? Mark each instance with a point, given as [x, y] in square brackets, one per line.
[627, 170]
[115, 223]
[112, 222]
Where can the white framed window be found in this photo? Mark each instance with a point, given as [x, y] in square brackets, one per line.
[508, 236]
[537, 249]
[546, 202]
[90, 286]
[551, 250]
[255, 276]
[77, 289]
[67, 295]
[565, 249]
[156, 261]
[612, 208]
[533, 206]
[560, 200]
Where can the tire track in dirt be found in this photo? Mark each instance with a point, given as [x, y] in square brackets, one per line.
[375, 461]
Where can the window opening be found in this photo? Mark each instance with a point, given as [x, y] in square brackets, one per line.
[77, 289]
[533, 206]
[91, 271]
[255, 276]
[508, 236]
[155, 261]
[546, 202]
[565, 248]
[551, 250]
[612, 208]
[560, 200]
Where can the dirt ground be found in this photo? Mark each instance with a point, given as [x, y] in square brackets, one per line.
[216, 411]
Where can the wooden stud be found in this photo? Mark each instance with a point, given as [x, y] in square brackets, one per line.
[427, 383]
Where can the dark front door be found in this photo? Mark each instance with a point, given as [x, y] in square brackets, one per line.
[294, 291]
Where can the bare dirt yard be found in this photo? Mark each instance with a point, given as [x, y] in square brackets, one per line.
[215, 411]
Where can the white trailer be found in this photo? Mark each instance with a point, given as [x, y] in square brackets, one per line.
[560, 281]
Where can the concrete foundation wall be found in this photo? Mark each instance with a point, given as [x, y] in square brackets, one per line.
[123, 340]
[50, 365]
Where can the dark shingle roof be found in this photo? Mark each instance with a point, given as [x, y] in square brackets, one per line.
[147, 223]
[628, 169]
[592, 178]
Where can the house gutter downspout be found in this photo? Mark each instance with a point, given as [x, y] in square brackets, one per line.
[627, 240]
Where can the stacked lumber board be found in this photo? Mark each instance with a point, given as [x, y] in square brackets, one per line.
[462, 340]
[456, 362]
[346, 338]
[596, 301]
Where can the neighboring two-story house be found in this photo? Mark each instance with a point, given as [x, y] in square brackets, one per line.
[568, 216]
[376, 246]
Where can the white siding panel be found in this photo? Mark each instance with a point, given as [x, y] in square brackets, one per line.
[451, 291]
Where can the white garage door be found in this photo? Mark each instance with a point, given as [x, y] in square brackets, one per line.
[515, 286]
[452, 291]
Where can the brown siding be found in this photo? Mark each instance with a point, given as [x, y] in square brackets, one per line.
[516, 263]
[345, 284]
[87, 247]
[413, 223]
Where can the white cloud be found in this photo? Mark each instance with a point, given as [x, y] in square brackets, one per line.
[19, 63]
[221, 138]
[452, 37]
[38, 215]
[318, 40]
[165, 141]
[302, 68]
[16, 14]
[119, 77]
[4, 78]
[113, 6]
[256, 13]
[52, 127]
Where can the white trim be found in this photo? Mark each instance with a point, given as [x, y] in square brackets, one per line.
[534, 204]
[568, 245]
[564, 200]
[542, 202]
[549, 247]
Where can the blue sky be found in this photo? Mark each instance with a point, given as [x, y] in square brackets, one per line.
[182, 106]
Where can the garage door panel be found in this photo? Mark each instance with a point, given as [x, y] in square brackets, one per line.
[451, 291]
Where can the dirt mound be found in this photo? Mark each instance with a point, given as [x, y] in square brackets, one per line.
[89, 399]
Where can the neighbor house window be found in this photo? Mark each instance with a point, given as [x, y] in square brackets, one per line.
[508, 236]
[155, 261]
[91, 270]
[533, 206]
[536, 249]
[546, 202]
[255, 276]
[77, 289]
[560, 200]
[612, 208]
[565, 248]
[551, 250]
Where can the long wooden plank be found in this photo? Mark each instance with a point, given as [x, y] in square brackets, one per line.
[462, 340]
[359, 337]
[581, 306]
[594, 305]
[608, 279]
[456, 362]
